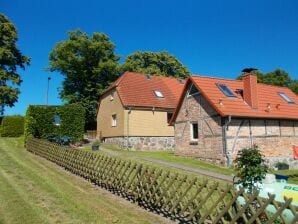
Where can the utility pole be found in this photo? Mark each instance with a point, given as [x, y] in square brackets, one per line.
[47, 93]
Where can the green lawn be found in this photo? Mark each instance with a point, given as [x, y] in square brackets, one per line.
[169, 156]
[34, 190]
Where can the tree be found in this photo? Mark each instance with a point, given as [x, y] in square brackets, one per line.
[89, 65]
[155, 63]
[11, 59]
[250, 167]
[278, 77]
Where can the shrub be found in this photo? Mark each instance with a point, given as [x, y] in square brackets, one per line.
[282, 166]
[250, 167]
[55, 121]
[12, 126]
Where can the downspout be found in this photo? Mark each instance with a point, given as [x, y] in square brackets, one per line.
[127, 130]
[224, 136]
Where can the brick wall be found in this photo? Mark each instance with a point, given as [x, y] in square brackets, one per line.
[275, 138]
[209, 145]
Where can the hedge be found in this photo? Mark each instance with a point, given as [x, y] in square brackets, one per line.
[12, 126]
[40, 121]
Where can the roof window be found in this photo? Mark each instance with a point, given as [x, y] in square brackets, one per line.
[148, 77]
[158, 94]
[192, 91]
[285, 97]
[180, 81]
[226, 90]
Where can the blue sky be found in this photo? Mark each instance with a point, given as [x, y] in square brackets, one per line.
[216, 38]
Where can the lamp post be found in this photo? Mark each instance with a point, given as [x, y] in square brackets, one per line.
[47, 93]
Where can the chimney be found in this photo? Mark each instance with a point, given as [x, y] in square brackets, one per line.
[250, 92]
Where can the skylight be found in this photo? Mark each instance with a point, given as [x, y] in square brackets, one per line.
[226, 90]
[158, 94]
[285, 97]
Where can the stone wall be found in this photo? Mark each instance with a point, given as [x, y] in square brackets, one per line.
[143, 143]
[209, 146]
[275, 138]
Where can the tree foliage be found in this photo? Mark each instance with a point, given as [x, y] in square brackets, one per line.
[278, 77]
[250, 167]
[89, 65]
[155, 63]
[11, 59]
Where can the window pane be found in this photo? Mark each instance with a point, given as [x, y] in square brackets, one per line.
[226, 90]
[193, 90]
[286, 98]
[195, 133]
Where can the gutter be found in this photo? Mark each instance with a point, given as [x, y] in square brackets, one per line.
[225, 128]
[127, 124]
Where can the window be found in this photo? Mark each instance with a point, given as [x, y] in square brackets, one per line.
[158, 94]
[112, 96]
[169, 116]
[194, 130]
[192, 91]
[57, 120]
[226, 90]
[114, 120]
[286, 98]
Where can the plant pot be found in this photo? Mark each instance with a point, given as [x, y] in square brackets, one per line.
[95, 147]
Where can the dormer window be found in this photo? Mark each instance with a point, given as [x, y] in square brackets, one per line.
[285, 97]
[158, 94]
[226, 90]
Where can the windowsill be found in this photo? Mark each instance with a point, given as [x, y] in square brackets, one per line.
[193, 142]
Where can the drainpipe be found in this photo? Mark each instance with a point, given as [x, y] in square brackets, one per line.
[225, 128]
[127, 125]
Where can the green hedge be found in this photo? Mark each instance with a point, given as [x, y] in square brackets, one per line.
[12, 126]
[39, 121]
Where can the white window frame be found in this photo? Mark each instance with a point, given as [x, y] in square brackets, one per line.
[114, 120]
[158, 94]
[286, 98]
[191, 131]
[194, 94]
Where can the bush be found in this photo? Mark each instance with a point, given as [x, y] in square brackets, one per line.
[12, 126]
[282, 166]
[250, 167]
[47, 122]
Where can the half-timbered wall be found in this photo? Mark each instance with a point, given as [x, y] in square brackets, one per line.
[210, 143]
[275, 138]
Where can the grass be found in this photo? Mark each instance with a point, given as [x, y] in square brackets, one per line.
[169, 156]
[34, 190]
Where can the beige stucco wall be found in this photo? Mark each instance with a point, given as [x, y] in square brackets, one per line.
[147, 123]
[107, 108]
[134, 123]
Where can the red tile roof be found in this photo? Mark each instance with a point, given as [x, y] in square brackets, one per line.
[136, 90]
[235, 106]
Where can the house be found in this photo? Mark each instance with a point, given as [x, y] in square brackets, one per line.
[134, 112]
[215, 118]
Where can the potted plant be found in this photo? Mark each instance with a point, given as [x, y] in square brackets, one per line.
[95, 145]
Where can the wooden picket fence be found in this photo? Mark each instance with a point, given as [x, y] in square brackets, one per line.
[184, 198]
